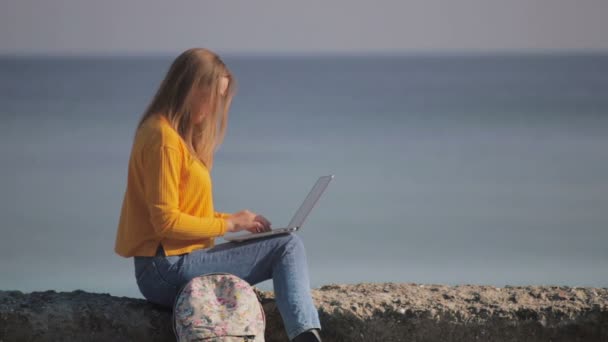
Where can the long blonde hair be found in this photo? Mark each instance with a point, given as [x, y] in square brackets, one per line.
[195, 72]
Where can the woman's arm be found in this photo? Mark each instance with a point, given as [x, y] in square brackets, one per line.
[161, 183]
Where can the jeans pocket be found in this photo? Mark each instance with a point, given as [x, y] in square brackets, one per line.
[163, 271]
[154, 287]
[141, 272]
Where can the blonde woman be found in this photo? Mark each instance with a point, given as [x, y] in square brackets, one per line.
[168, 223]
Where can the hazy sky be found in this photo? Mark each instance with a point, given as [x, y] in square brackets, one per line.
[312, 26]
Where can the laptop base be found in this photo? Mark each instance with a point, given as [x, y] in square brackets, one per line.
[246, 237]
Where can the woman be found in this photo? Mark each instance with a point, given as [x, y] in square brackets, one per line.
[168, 222]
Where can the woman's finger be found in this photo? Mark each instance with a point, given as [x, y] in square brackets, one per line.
[253, 229]
[262, 220]
[266, 222]
[268, 226]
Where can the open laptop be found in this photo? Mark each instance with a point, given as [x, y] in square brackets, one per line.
[298, 219]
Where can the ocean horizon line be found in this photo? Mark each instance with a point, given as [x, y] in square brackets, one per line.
[322, 54]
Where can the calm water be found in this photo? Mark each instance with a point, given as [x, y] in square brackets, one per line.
[454, 170]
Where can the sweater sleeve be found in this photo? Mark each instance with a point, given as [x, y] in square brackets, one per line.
[222, 215]
[161, 183]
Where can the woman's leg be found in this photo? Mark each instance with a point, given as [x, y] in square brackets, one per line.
[281, 257]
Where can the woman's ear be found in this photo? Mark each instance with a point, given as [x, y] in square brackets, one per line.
[224, 81]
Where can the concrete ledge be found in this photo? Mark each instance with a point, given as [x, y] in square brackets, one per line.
[358, 312]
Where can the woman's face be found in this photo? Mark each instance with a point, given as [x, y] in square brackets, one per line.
[204, 106]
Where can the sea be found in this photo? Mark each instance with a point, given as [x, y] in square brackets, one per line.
[487, 169]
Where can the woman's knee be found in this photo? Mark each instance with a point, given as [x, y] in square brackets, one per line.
[293, 242]
[296, 239]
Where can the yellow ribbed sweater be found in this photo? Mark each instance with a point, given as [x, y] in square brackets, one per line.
[168, 198]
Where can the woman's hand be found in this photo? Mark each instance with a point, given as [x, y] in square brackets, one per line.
[247, 220]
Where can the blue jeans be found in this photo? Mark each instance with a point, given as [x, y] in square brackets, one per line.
[280, 257]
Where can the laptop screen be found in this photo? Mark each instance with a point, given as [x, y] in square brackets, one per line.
[309, 201]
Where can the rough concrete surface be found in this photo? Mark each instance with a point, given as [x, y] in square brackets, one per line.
[355, 312]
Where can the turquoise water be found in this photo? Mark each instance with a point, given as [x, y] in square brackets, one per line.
[453, 170]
